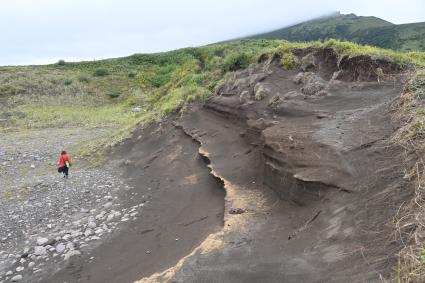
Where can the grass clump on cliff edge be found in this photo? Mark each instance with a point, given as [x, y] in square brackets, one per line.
[410, 219]
[235, 61]
[417, 85]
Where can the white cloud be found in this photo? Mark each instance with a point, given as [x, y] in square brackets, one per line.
[44, 31]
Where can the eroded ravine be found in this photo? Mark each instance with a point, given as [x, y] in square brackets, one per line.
[312, 169]
[311, 180]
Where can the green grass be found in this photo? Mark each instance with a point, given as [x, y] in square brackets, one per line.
[105, 92]
[43, 116]
[417, 86]
[171, 73]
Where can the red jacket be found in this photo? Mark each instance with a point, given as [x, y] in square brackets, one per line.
[62, 159]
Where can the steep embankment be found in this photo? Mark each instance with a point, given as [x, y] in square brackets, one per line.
[306, 159]
[311, 180]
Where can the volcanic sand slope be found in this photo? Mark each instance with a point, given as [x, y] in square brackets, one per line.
[327, 157]
[304, 157]
[183, 204]
[312, 172]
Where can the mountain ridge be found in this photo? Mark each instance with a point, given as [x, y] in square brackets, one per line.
[367, 30]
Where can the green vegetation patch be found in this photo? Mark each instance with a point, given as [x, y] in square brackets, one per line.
[101, 73]
[417, 86]
[169, 79]
[61, 63]
[42, 116]
[113, 94]
[236, 61]
[144, 87]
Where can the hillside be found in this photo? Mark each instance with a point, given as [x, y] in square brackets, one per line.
[296, 160]
[363, 30]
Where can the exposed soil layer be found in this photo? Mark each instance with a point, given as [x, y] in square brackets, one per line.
[311, 181]
[314, 176]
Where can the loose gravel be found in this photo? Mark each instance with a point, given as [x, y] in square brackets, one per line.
[46, 219]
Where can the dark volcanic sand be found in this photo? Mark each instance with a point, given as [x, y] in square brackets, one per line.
[317, 179]
[184, 202]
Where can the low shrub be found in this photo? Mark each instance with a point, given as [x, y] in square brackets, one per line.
[235, 61]
[190, 98]
[83, 79]
[101, 73]
[417, 86]
[6, 90]
[113, 94]
[158, 79]
[288, 61]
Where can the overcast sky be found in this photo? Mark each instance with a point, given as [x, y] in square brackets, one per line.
[44, 31]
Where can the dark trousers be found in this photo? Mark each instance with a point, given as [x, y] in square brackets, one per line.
[63, 170]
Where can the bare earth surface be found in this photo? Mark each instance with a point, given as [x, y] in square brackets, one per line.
[281, 177]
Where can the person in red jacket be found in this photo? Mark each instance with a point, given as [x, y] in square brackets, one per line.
[64, 163]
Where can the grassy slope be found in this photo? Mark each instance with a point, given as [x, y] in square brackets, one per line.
[157, 83]
[118, 93]
[363, 30]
